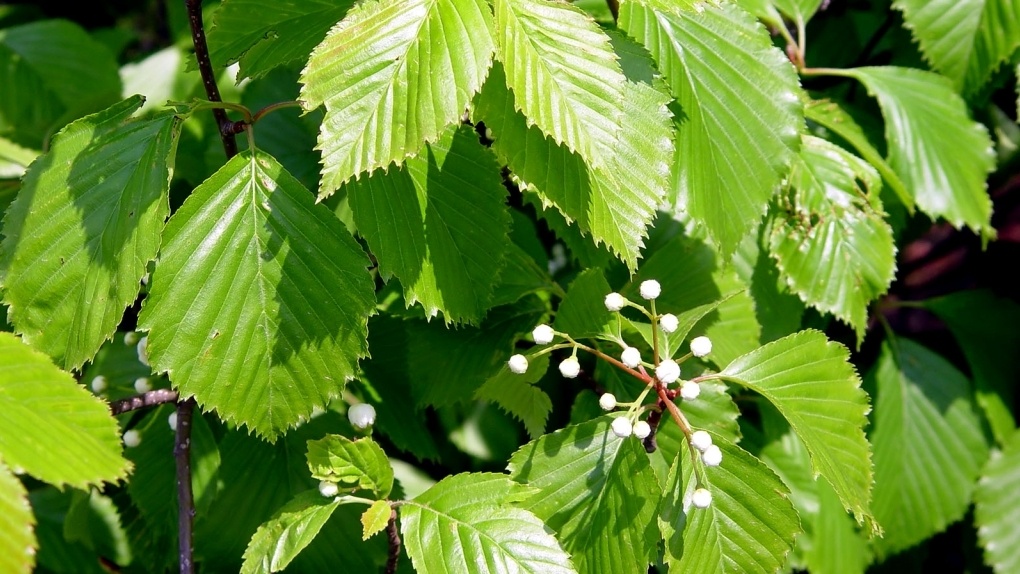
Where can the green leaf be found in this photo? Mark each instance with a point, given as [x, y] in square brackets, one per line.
[812, 383]
[84, 226]
[596, 491]
[741, 113]
[578, 102]
[520, 276]
[14, 159]
[52, 427]
[799, 11]
[466, 522]
[838, 547]
[989, 345]
[439, 224]
[461, 360]
[942, 155]
[54, 72]
[997, 508]
[829, 238]
[359, 464]
[18, 544]
[277, 541]
[416, 67]
[260, 299]
[749, 527]
[518, 395]
[965, 41]
[613, 204]
[375, 518]
[282, 33]
[929, 446]
[829, 115]
[583, 313]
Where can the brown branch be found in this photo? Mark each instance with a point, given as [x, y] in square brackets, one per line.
[149, 399]
[185, 496]
[212, 91]
[393, 536]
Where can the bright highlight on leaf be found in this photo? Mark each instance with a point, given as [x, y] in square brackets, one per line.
[812, 383]
[353, 464]
[52, 427]
[279, 540]
[439, 224]
[470, 520]
[83, 228]
[997, 508]
[942, 156]
[741, 112]
[18, 545]
[260, 300]
[392, 75]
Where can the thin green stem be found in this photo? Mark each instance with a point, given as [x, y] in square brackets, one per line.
[655, 335]
[203, 105]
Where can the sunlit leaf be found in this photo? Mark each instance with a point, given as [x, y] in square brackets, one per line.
[52, 427]
[360, 463]
[18, 544]
[467, 522]
[416, 67]
[277, 541]
[259, 303]
[997, 508]
[84, 226]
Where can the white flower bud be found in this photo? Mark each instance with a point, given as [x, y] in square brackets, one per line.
[650, 289]
[622, 427]
[615, 302]
[642, 429]
[172, 420]
[543, 334]
[132, 438]
[570, 368]
[702, 498]
[142, 385]
[143, 350]
[631, 357]
[99, 384]
[669, 322]
[712, 456]
[701, 346]
[518, 364]
[328, 489]
[361, 415]
[690, 391]
[607, 401]
[701, 440]
[131, 338]
[668, 371]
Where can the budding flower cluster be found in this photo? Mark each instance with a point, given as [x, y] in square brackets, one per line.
[615, 302]
[701, 346]
[622, 427]
[518, 364]
[570, 368]
[669, 322]
[690, 391]
[702, 498]
[361, 415]
[543, 334]
[642, 429]
[710, 453]
[607, 401]
[631, 357]
[650, 289]
[328, 489]
[668, 371]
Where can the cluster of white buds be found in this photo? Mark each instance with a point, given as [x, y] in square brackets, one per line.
[543, 334]
[132, 438]
[518, 364]
[668, 371]
[690, 390]
[142, 385]
[361, 415]
[328, 489]
[710, 453]
[99, 384]
[701, 346]
[650, 289]
[570, 367]
[669, 323]
[607, 401]
[615, 302]
[631, 357]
